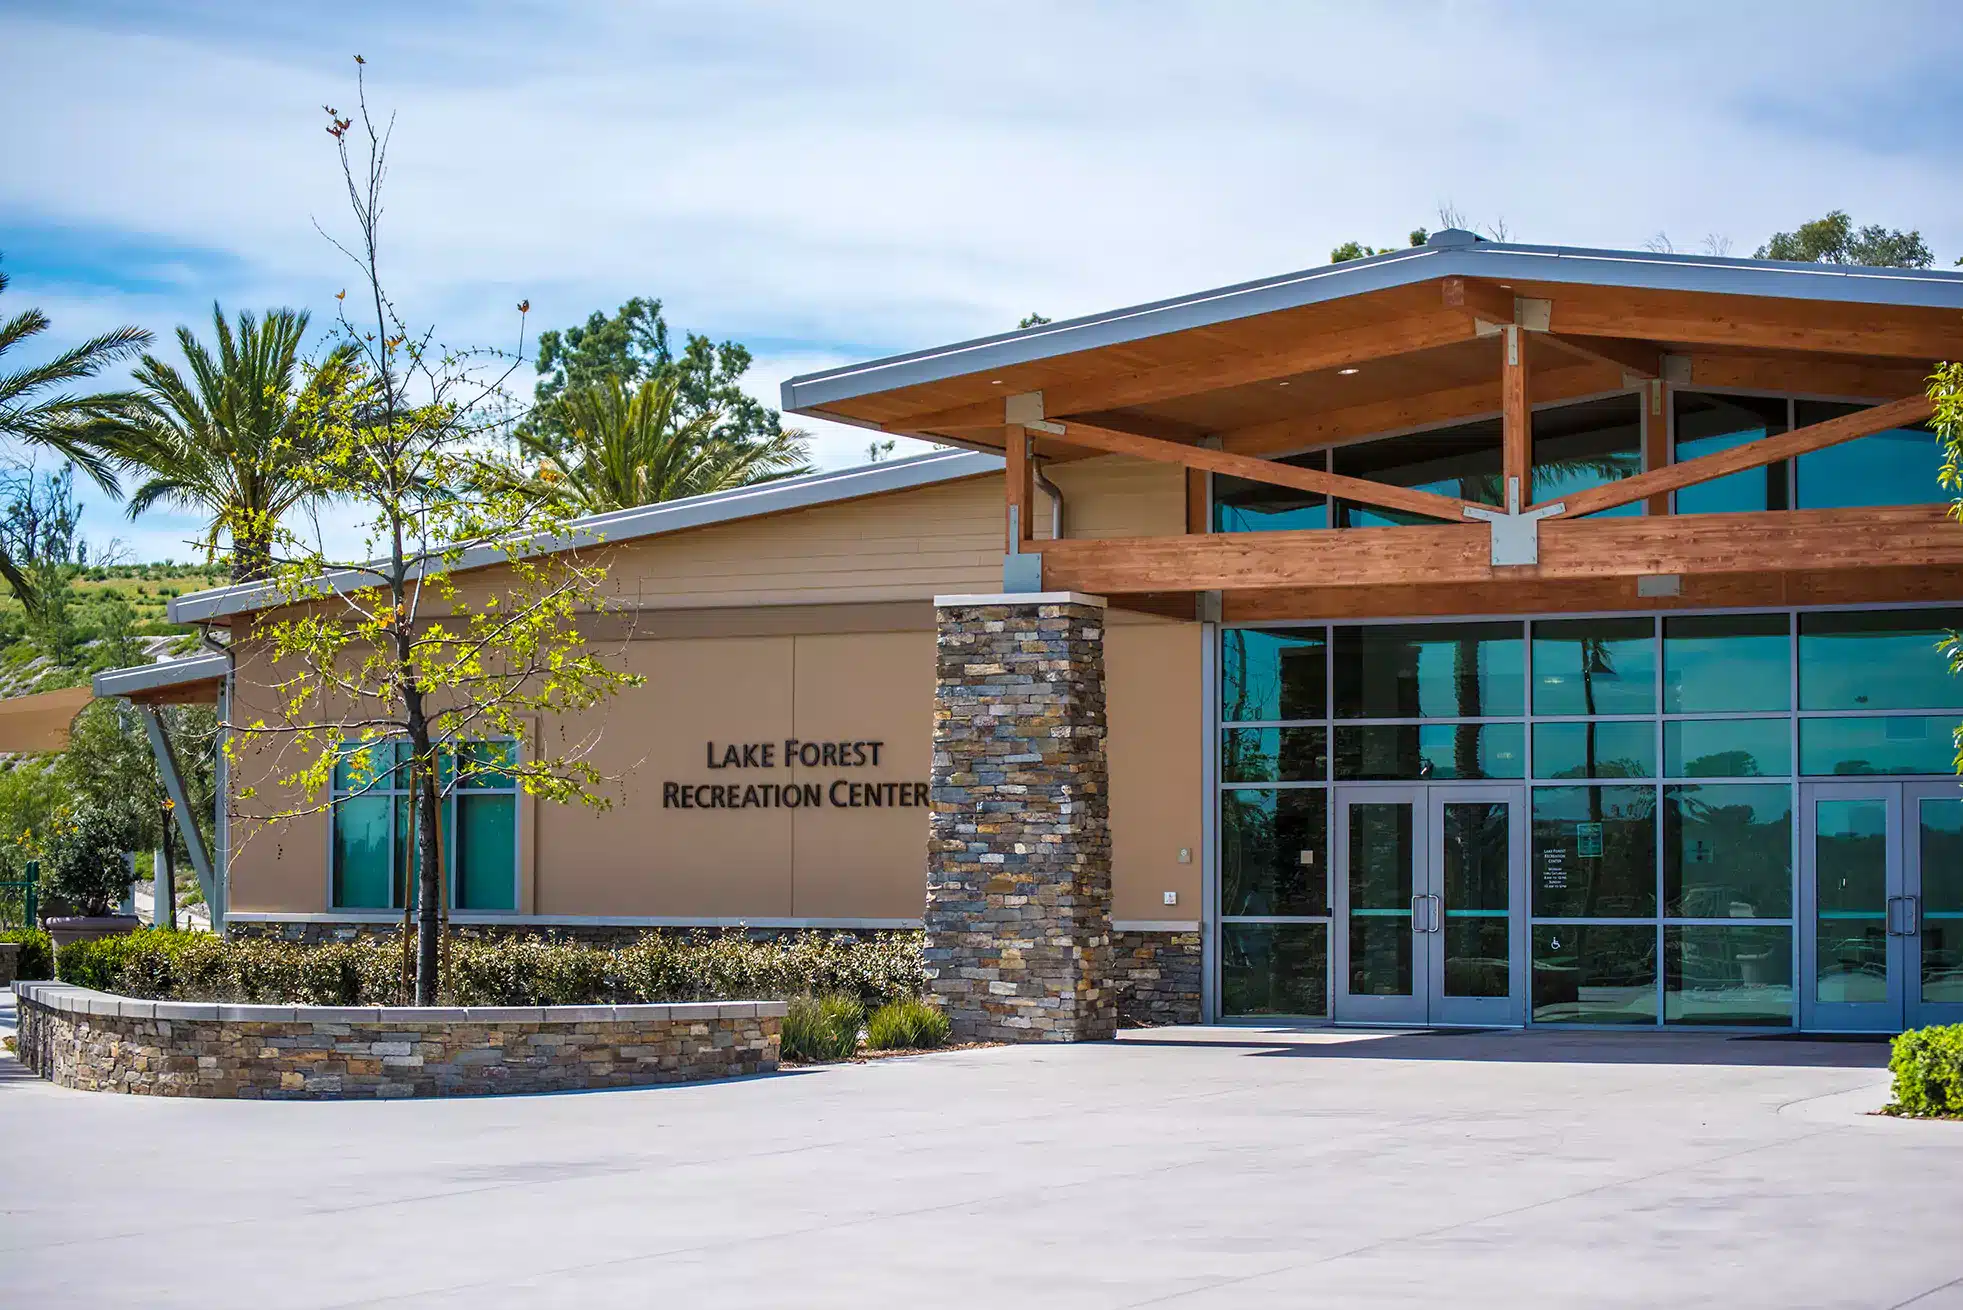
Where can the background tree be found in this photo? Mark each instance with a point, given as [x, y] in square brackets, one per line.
[1357, 250]
[400, 677]
[232, 438]
[37, 409]
[1835, 240]
[634, 346]
[617, 446]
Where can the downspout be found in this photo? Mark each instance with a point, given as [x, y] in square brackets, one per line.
[1055, 493]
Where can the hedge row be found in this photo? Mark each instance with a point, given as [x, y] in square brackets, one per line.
[1928, 1068]
[529, 971]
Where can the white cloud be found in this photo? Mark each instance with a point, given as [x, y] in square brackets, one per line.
[830, 183]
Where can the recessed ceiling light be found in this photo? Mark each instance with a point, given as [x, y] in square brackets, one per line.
[1346, 371]
[995, 382]
[1281, 384]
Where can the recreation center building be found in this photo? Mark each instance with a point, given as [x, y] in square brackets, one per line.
[1470, 634]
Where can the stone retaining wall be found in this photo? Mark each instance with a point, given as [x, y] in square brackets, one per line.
[93, 1041]
[1157, 975]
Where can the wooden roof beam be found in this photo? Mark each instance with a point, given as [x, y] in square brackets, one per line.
[1751, 455]
[1383, 495]
[1638, 358]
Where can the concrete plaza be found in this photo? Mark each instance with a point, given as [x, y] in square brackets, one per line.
[1185, 1167]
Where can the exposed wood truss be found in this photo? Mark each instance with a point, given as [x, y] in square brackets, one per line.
[1693, 544]
[1381, 494]
[1754, 454]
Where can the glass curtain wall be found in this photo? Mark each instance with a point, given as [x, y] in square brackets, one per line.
[1897, 467]
[1662, 755]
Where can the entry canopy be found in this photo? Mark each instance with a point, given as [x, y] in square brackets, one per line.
[40, 722]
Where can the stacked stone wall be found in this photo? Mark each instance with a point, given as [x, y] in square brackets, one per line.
[96, 1042]
[1018, 914]
[1157, 974]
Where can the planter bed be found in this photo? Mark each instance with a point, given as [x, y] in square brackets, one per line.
[95, 1041]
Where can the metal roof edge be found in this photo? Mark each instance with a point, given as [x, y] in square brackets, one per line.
[645, 521]
[1647, 270]
[164, 673]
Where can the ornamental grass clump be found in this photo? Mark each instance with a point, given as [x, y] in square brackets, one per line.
[1928, 1068]
[819, 1028]
[910, 1024]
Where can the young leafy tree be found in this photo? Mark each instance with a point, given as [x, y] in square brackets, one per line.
[38, 409]
[618, 447]
[385, 666]
[232, 438]
[1946, 390]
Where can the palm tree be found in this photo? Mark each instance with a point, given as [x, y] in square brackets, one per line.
[36, 412]
[618, 447]
[232, 438]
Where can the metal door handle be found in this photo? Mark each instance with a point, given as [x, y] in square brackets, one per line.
[1892, 916]
[1437, 913]
[1418, 917]
[1912, 916]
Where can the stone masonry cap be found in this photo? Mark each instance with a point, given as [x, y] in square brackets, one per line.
[985, 599]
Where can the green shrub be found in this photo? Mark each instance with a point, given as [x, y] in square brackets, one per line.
[1928, 1068]
[84, 863]
[822, 1027]
[37, 953]
[909, 1024]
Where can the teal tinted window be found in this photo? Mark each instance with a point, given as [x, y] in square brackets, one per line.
[1898, 467]
[1728, 851]
[487, 764]
[1594, 852]
[1461, 461]
[1273, 852]
[1587, 445]
[1879, 660]
[1429, 670]
[1595, 750]
[1271, 674]
[1726, 663]
[1274, 754]
[1594, 973]
[1595, 666]
[1707, 424]
[1859, 747]
[1243, 506]
[362, 840]
[486, 858]
[1719, 974]
[1274, 968]
[1727, 748]
[1437, 751]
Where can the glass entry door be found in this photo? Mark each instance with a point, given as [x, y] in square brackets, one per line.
[1430, 907]
[1882, 887]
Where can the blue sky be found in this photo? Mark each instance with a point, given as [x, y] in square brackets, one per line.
[829, 182]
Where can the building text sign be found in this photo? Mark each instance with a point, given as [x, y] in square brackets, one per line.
[747, 793]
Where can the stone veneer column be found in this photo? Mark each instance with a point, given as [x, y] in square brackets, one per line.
[1019, 858]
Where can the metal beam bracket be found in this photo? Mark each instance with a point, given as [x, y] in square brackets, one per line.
[1516, 536]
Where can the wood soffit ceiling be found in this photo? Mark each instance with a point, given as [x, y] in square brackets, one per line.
[1416, 360]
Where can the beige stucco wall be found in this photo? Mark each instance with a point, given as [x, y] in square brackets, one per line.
[816, 626]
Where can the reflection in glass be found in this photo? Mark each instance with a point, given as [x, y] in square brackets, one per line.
[1877, 660]
[1380, 869]
[1707, 424]
[1273, 852]
[1727, 748]
[1850, 871]
[1940, 824]
[1595, 666]
[1243, 506]
[1728, 974]
[485, 852]
[1274, 754]
[1594, 973]
[1432, 750]
[1595, 750]
[1274, 968]
[1429, 671]
[1461, 461]
[1587, 445]
[1728, 851]
[1594, 852]
[1271, 674]
[1476, 873]
[1725, 663]
[1897, 467]
[361, 853]
[1854, 748]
